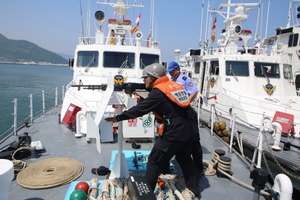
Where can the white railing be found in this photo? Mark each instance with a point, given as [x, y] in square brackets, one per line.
[122, 42]
[27, 111]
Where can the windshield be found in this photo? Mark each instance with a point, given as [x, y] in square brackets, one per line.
[237, 68]
[287, 71]
[87, 59]
[148, 59]
[271, 70]
[116, 59]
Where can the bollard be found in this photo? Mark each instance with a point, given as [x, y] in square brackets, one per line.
[260, 178]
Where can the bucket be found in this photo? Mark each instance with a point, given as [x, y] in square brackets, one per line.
[6, 175]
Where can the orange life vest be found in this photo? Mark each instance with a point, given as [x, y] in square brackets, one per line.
[175, 92]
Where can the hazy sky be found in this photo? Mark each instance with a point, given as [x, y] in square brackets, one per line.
[55, 25]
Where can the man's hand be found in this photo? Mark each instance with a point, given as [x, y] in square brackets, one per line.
[111, 119]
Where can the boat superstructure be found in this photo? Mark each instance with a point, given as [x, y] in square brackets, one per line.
[106, 72]
[287, 39]
[250, 87]
[234, 75]
[107, 69]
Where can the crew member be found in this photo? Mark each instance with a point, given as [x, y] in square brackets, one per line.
[178, 127]
[112, 39]
[187, 83]
[184, 80]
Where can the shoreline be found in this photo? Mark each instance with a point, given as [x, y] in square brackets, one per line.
[33, 63]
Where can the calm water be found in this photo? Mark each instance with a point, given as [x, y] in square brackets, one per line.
[19, 81]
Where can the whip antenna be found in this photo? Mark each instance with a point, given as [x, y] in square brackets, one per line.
[82, 32]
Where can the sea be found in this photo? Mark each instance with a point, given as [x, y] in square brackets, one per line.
[19, 81]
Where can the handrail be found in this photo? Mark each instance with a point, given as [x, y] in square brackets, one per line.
[18, 109]
[126, 42]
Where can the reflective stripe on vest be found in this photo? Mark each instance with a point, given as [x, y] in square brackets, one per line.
[174, 91]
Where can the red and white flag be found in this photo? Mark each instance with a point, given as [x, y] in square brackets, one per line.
[213, 35]
[137, 21]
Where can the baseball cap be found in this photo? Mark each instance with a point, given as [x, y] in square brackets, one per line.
[172, 65]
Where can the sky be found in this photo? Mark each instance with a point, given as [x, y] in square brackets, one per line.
[55, 25]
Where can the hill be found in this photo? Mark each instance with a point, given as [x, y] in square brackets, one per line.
[24, 51]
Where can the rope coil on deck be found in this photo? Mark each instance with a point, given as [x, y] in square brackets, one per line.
[221, 165]
[50, 172]
[19, 164]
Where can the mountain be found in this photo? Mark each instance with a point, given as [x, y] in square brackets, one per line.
[66, 56]
[24, 51]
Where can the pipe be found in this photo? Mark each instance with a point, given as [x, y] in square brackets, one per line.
[283, 185]
[278, 130]
[78, 123]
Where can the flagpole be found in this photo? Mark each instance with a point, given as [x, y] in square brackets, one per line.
[207, 23]
[152, 18]
[266, 33]
[201, 23]
[150, 34]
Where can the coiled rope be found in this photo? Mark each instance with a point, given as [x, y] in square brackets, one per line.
[222, 165]
[19, 165]
[49, 173]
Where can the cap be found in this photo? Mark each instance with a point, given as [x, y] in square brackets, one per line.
[172, 66]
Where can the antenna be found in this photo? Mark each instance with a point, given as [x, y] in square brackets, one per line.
[82, 32]
[201, 22]
[88, 22]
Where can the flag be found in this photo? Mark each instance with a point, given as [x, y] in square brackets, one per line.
[137, 21]
[213, 35]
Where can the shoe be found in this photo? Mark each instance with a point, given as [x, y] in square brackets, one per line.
[100, 171]
[135, 145]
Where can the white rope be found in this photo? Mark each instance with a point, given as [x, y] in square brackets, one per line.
[210, 171]
[160, 193]
[120, 185]
[112, 190]
[104, 195]
[94, 188]
[186, 193]
[170, 179]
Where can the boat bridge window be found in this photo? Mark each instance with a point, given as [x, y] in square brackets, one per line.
[148, 59]
[237, 68]
[293, 40]
[214, 67]
[270, 69]
[87, 59]
[297, 82]
[287, 72]
[118, 59]
[197, 68]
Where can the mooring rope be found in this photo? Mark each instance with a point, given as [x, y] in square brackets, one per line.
[222, 163]
[49, 173]
[19, 165]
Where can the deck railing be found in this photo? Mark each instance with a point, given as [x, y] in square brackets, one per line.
[119, 41]
[27, 109]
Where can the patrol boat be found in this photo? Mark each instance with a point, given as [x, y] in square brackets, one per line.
[107, 69]
[62, 155]
[287, 40]
[250, 87]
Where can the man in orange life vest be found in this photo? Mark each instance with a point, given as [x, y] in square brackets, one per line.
[178, 125]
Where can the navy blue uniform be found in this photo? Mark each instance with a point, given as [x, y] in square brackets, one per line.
[177, 139]
[197, 154]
